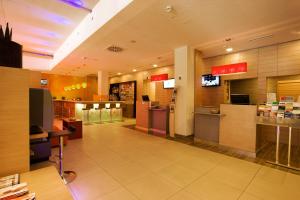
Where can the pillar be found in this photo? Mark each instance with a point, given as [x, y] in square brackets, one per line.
[103, 85]
[184, 77]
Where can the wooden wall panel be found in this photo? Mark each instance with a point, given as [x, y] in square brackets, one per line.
[288, 88]
[263, 63]
[35, 79]
[14, 120]
[245, 86]
[162, 95]
[289, 58]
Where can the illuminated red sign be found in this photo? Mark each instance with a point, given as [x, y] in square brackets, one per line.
[229, 69]
[160, 77]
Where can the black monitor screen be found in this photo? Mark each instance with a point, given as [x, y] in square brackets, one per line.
[145, 98]
[241, 99]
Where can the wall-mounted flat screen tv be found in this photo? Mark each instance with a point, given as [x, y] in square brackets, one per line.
[44, 82]
[169, 84]
[209, 80]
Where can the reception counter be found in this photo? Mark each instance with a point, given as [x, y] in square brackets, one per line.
[238, 127]
[206, 124]
[152, 120]
[90, 111]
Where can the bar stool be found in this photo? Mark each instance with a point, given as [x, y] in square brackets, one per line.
[117, 112]
[85, 114]
[67, 176]
[100, 107]
[108, 110]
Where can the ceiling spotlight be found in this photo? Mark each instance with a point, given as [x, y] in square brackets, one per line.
[169, 8]
[229, 49]
[154, 65]
[119, 73]
[134, 70]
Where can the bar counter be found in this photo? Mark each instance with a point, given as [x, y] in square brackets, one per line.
[89, 111]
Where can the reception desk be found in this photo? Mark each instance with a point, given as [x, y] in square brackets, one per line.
[90, 111]
[152, 120]
[206, 125]
[238, 127]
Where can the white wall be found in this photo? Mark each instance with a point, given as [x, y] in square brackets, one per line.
[184, 77]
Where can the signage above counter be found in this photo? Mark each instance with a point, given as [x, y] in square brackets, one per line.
[229, 69]
[160, 77]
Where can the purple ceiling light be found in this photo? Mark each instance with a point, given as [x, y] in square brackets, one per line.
[77, 4]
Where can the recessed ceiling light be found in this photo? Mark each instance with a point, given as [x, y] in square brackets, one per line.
[229, 49]
[119, 73]
[154, 65]
[134, 70]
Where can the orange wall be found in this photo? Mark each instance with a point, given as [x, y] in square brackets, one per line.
[56, 84]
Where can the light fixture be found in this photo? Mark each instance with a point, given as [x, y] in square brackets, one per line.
[77, 4]
[119, 73]
[78, 86]
[83, 85]
[154, 65]
[65, 89]
[229, 49]
[134, 70]
[73, 87]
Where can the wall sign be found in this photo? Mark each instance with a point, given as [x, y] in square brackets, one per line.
[160, 77]
[229, 69]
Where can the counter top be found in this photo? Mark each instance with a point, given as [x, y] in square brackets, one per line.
[46, 183]
[202, 113]
[91, 102]
[158, 109]
[285, 122]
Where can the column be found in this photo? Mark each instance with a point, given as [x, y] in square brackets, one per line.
[184, 77]
[103, 85]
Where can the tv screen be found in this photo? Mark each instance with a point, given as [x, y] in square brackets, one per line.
[145, 98]
[240, 99]
[209, 80]
[44, 82]
[168, 84]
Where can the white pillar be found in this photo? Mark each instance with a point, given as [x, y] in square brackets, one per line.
[103, 85]
[184, 77]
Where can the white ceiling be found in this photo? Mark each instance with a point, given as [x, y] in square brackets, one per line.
[41, 25]
[203, 24]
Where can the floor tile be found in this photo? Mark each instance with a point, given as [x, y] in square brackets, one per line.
[213, 189]
[183, 195]
[152, 187]
[120, 194]
[128, 172]
[93, 185]
[179, 175]
[246, 196]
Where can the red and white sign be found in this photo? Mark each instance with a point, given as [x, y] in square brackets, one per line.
[229, 69]
[160, 77]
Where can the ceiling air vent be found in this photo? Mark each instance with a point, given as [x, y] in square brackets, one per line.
[114, 48]
[262, 37]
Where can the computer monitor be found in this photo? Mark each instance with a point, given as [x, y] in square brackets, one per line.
[145, 98]
[241, 99]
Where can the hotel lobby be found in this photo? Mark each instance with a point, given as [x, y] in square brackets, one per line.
[149, 100]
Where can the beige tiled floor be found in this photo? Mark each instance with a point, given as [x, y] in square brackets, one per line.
[116, 163]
